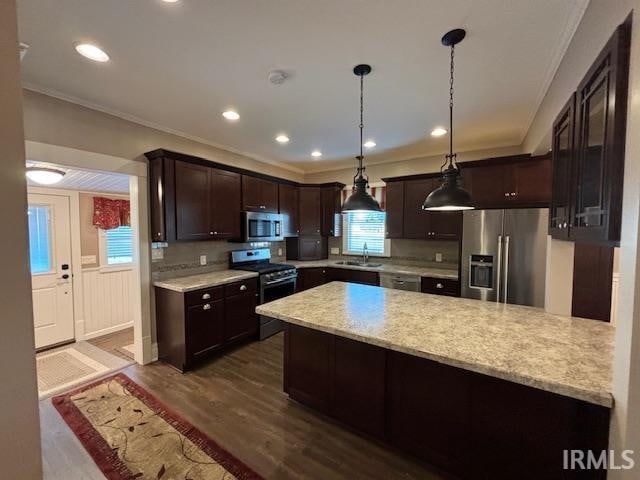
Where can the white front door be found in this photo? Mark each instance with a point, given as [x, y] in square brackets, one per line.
[51, 278]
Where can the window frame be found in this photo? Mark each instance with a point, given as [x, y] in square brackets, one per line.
[102, 248]
[345, 240]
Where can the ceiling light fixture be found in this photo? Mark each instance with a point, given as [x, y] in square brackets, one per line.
[92, 52]
[316, 153]
[170, 1]
[450, 195]
[282, 139]
[231, 115]
[360, 200]
[438, 132]
[45, 175]
[369, 144]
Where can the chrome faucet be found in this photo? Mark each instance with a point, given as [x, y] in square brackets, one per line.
[365, 253]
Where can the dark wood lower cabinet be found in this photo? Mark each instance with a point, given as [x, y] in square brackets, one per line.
[440, 286]
[194, 325]
[469, 425]
[311, 277]
[353, 276]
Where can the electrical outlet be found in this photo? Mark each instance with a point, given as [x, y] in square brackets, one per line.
[279, 252]
[438, 257]
[335, 250]
[157, 253]
[203, 260]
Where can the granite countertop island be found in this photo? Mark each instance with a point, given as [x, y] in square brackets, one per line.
[203, 280]
[421, 271]
[567, 356]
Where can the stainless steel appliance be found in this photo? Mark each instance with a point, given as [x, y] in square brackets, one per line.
[504, 255]
[276, 280]
[262, 227]
[397, 281]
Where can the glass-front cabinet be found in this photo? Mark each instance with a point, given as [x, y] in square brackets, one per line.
[562, 156]
[588, 150]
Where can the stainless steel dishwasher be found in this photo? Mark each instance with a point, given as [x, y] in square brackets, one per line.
[398, 281]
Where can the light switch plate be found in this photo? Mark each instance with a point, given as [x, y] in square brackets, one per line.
[335, 250]
[203, 260]
[279, 252]
[88, 259]
[438, 257]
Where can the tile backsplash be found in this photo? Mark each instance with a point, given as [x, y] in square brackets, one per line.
[183, 258]
[413, 252]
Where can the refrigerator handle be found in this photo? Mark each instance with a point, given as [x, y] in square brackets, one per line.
[499, 269]
[506, 267]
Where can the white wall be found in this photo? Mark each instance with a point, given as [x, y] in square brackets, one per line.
[20, 442]
[559, 277]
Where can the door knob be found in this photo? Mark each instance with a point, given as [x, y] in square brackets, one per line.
[243, 288]
[439, 285]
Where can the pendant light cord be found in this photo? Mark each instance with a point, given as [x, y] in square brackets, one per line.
[451, 107]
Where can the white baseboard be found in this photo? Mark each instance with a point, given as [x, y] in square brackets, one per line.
[106, 331]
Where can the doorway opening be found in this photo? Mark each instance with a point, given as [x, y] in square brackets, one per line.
[83, 263]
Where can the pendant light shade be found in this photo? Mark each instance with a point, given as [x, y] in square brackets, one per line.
[360, 200]
[450, 196]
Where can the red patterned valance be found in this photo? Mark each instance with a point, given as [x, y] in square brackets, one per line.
[111, 213]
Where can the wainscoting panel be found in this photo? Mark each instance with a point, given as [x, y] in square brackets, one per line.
[108, 302]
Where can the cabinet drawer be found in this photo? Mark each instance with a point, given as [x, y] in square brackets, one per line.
[441, 286]
[205, 295]
[249, 285]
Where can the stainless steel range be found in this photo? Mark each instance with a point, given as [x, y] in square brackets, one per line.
[276, 280]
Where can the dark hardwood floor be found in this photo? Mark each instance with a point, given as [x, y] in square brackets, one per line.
[237, 400]
[113, 343]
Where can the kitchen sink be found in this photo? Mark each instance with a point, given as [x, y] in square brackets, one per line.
[358, 264]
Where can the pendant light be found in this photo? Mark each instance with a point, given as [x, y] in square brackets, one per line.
[360, 200]
[450, 195]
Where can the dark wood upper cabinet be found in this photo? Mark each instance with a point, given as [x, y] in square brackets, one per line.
[259, 195]
[421, 224]
[416, 220]
[601, 111]
[162, 200]
[306, 247]
[207, 203]
[509, 182]
[225, 204]
[395, 210]
[331, 208]
[193, 202]
[562, 158]
[289, 208]
[310, 210]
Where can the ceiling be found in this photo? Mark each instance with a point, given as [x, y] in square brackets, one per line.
[85, 181]
[177, 66]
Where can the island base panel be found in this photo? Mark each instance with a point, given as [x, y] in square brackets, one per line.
[470, 425]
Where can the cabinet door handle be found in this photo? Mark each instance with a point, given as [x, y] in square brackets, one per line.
[513, 194]
[439, 285]
[210, 233]
[317, 231]
[206, 296]
[243, 288]
[206, 306]
[506, 194]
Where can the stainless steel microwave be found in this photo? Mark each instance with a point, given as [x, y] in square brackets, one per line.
[262, 227]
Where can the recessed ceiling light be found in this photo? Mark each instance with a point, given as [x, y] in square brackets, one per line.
[369, 144]
[45, 176]
[438, 132]
[170, 1]
[231, 115]
[92, 52]
[282, 139]
[316, 153]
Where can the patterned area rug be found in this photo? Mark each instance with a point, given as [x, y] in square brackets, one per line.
[131, 435]
[66, 367]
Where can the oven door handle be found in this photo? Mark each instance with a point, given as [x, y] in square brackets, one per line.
[280, 280]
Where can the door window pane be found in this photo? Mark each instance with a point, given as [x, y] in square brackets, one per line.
[39, 238]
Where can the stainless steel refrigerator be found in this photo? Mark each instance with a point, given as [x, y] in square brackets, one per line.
[504, 255]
